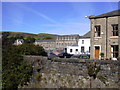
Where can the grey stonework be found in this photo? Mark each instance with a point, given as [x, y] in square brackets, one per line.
[46, 44]
[106, 39]
[61, 42]
[62, 73]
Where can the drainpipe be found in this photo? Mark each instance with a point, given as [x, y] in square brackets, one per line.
[106, 36]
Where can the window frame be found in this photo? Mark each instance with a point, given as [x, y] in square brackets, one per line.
[76, 50]
[82, 50]
[115, 32]
[70, 50]
[82, 41]
[97, 32]
[89, 49]
[115, 51]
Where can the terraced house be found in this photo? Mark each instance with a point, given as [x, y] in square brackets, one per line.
[60, 43]
[105, 35]
[63, 41]
[82, 47]
[46, 44]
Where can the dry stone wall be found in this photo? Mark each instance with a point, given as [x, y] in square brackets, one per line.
[72, 73]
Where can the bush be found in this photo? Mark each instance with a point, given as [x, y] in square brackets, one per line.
[15, 70]
[29, 40]
[38, 77]
[30, 49]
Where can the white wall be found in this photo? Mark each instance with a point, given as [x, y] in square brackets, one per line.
[73, 49]
[86, 46]
[19, 42]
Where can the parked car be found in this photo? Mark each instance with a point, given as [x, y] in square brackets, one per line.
[85, 56]
[64, 54]
[51, 55]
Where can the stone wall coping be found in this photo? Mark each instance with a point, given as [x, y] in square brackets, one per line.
[97, 37]
[72, 60]
[114, 37]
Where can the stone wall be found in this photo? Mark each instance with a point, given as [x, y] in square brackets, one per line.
[72, 73]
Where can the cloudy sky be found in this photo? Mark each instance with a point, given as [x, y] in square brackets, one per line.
[52, 17]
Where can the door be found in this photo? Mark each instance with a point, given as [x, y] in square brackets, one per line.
[97, 52]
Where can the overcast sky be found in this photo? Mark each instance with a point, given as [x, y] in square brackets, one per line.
[52, 17]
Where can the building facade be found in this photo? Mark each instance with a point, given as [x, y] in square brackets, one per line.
[18, 42]
[48, 45]
[82, 47]
[63, 41]
[59, 44]
[105, 35]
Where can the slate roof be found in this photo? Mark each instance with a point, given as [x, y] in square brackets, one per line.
[75, 44]
[109, 14]
[50, 40]
[87, 35]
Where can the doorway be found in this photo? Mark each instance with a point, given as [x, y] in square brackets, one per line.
[97, 52]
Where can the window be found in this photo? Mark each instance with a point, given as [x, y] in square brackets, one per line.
[65, 49]
[76, 49]
[89, 49]
[66, 38]
[82, 41]
[114, 51]
[62, 38]
[97, 31]
[70, 50]
[82, 49]
[115, 29]
[72, 38]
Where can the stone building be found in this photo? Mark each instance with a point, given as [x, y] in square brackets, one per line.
[82, 47]
[104, 35]
[59, 44]
[63, 41]
[46, 44]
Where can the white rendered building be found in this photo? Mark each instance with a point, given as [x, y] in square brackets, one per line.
[19, 42]
[82, 47]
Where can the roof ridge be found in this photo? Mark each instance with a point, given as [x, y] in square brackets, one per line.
[108, 14]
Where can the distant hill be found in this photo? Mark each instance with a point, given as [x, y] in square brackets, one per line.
[25, 35]
[47, 35]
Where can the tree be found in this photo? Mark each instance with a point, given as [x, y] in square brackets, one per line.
[30, 49]
[5, 34]
[48, 37]
[29, 40]
[15, 70]
[18, 36]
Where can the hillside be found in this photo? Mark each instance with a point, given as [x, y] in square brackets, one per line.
[25, 35]
[43, 35]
